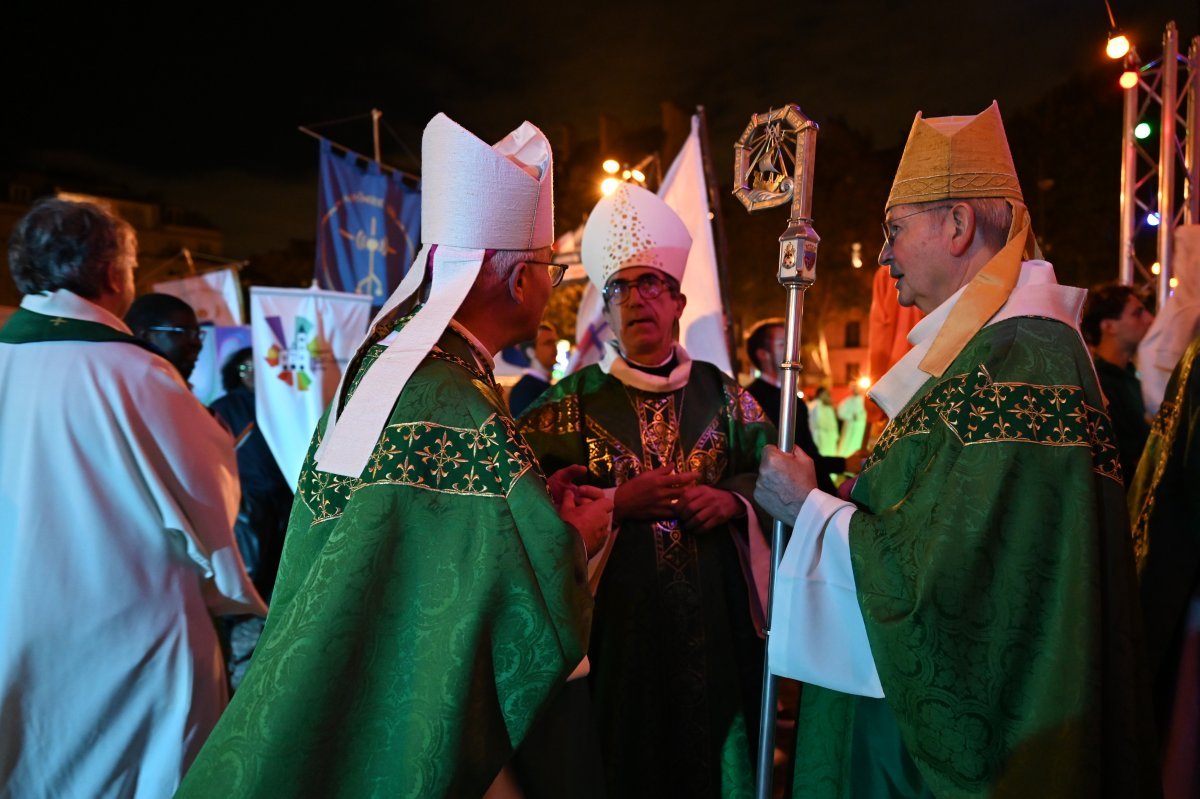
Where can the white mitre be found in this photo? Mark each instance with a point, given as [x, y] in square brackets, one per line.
[634, 227]
[474, 198]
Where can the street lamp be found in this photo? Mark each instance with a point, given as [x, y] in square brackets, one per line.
[1118, 43]
[618, 173]
[1118, 46]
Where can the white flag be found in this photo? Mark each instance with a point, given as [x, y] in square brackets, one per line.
[702, 326]
[303, 339]
[215, 296]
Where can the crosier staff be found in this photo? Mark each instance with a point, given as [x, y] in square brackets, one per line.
[773, 163]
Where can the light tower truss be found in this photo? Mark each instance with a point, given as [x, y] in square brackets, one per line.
[1170, 89]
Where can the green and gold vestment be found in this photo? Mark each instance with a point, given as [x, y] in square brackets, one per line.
[1164, 504]
[995, 576]
[676, 661]
[426, 612]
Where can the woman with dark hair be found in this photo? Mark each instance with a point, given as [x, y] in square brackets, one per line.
[266, 502]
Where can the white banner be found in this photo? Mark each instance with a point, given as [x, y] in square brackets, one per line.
[702, 327]
[215, 296]
[303, 339]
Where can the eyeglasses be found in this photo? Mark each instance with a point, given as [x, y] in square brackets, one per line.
[649, 286]
[245, 368]
[196, 334]
[556, 271]
[889, 238]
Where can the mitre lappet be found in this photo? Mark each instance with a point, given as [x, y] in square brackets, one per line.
[475, 197]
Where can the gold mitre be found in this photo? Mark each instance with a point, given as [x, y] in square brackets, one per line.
[956, 158]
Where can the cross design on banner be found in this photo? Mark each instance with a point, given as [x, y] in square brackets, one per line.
[373, 243]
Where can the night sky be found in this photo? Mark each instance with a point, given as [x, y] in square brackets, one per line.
[202, 113]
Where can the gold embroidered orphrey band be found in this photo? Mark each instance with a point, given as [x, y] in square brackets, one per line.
[979, 410]
[1162, 429]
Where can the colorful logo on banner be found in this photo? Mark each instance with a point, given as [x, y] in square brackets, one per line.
[300, 359]
[368, 226]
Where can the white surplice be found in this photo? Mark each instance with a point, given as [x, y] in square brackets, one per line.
[118, 493]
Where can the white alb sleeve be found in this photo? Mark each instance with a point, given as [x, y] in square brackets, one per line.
[817, 630]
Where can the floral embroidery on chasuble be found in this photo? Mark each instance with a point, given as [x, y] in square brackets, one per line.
[487, 460]
[980, 410]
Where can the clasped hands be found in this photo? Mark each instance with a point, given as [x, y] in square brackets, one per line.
[664, 493]
[584, 507]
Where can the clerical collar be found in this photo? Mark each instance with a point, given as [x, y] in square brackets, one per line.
[659, 370]
[638, 376]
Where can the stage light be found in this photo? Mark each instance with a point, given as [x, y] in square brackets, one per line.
[1174, 282]
[608, 186]
[638, 175]
[626, 175]
[1129, 79]
[1118, 46]
[1142, 130]
[1155, 268]
[610, 166]
[864, 382]
[1152, 219]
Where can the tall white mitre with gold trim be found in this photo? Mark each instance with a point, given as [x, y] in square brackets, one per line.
[475, 197]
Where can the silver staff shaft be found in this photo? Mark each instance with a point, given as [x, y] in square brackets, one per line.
[797, 271]
[787, 428]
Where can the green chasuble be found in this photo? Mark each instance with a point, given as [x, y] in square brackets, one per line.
[425, 612]
[1164, 501]
[995, 575]
[676, 661]
[26, 326]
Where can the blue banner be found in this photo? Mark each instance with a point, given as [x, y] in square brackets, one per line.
[368, 226]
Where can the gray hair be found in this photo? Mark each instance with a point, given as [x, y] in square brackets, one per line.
[993, 218]
[499, 264]
[61, 244]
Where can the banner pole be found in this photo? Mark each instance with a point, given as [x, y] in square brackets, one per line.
[714, 207]
[375, 115]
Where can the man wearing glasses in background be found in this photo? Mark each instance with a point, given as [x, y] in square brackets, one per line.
[169, 326]
[968, 626]
[676, 660]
